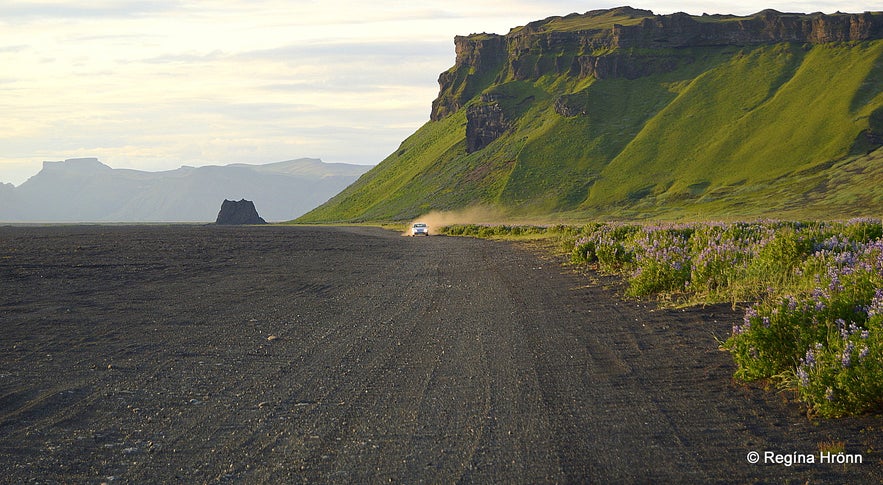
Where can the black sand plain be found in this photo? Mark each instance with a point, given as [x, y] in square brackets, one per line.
[205, 354]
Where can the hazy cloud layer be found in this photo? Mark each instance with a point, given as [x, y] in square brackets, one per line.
[160, 83]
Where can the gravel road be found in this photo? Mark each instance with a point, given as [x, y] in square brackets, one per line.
[200, 354]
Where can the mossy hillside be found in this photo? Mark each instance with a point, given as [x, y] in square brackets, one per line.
[430, 170]
[764, 115]
[728, 127]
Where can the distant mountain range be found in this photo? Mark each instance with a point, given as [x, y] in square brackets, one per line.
[86, 190]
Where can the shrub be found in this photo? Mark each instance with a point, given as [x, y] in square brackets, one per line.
[662, 262]
[827, 344]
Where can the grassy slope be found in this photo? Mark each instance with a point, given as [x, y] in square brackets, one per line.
[763, 115]
[733, 132]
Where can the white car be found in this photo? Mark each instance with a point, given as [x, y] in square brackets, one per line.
[419, 229]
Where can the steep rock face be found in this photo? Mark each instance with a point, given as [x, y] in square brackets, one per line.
[477, 58]
[609, 45]
[241, 212]
[624, 65]
[768, 26]
[485, 122]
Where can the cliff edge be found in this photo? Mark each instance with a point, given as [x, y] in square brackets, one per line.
[622, 113]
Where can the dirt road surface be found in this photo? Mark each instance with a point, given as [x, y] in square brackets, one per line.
[354, 355]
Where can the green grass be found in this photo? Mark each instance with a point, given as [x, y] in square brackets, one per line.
[601, 21]
[729, 133]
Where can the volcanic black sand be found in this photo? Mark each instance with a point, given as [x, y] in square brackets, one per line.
[353, 355]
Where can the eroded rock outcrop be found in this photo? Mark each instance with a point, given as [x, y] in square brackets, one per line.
[623, 46]
[477, 57]
[236, 213]
[486, 121]
[625, 65]
[768, 26]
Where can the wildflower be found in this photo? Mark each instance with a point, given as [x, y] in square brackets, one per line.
[802, 375]
[829, 394]
[750, 313]
[835, 285]
[876, 307]
[841, 324]
[863, 353]
[766, 322]
[846, 357]
[810, 359]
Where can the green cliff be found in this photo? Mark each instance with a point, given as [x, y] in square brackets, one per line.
[625, 114]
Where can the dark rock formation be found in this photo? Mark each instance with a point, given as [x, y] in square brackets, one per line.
[484, 124]
[768, 26]
[625, 65]
[569, 106]
[478, 56]
[242, 212]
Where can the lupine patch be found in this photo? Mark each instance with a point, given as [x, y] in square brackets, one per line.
[815, 326]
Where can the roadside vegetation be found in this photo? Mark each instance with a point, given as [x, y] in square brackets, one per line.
[812, 293]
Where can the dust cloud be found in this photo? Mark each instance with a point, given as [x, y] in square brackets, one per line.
[470, 215]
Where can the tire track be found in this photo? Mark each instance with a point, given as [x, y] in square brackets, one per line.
[430, 360]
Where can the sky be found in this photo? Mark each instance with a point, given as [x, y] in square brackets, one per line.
[157, 84]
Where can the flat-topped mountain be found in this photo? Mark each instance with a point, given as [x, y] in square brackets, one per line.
[624, 113]
[604, 43]
[86, 190]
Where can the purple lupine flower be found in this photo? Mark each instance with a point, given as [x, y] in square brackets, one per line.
[863, 352]
[802, 375]
[846, 356]
[810, 359]
[835, 285]
[876, 306]
[844, 331]
[750, 313]
[740, 329]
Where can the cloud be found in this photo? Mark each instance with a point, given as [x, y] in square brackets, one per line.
[354, 49]
[156, 83]
[27, 10]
